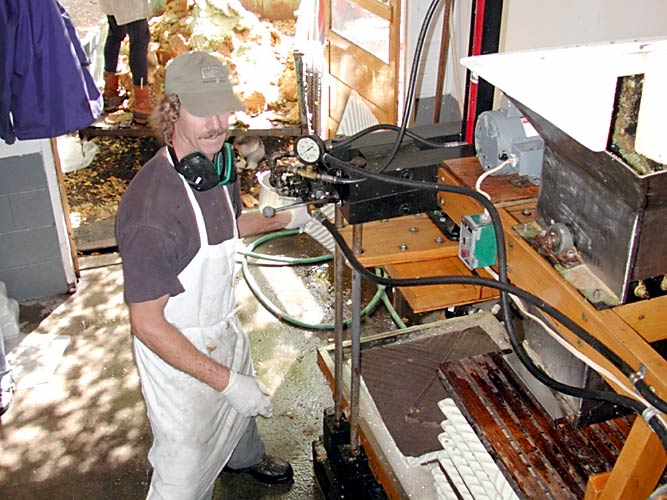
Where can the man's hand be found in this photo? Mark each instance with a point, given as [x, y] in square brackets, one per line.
[247, 395]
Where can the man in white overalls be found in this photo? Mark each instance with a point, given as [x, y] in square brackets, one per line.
[177, 228]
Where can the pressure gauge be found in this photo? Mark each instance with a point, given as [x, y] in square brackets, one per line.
[309, 149]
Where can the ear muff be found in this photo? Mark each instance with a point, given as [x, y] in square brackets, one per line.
[203, 174]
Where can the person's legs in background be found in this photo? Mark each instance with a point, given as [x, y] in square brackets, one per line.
[113, 97]
[139, 39]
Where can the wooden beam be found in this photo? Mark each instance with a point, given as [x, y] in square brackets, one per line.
[638, 467]
[65, 203]
[434, 297]
[647, 317]
[402, 239]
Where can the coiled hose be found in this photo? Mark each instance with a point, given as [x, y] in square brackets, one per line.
[380, 294]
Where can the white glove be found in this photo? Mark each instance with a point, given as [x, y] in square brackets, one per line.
[299, 217]
[247, 395]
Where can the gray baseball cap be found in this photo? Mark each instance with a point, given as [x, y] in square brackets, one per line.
[201, 82]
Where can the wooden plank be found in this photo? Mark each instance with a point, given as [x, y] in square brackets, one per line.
[487, 293]
[503, 189]
[373, 80]
[647, 317]
[455, 205]
[433, 297]
[382, 241]
[66, 210]
[639, 466]
[523, 212]
[596, 485]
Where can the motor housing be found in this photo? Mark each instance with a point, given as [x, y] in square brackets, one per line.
[505, 132]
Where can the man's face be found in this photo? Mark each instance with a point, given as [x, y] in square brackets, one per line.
[195, 133]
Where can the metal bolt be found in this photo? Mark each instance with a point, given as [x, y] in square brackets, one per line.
[441, 200]
[526, 211]
[584, 317]
[439, 239]
[641, 316]
[442, 179]
[403, 246]
[419, 215]
[414, 229]
[510, 245]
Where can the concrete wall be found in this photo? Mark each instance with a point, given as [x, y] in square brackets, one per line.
[34, 248]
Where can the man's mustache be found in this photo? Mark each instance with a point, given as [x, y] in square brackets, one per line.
[211, 134]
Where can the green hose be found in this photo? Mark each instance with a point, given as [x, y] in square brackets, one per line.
[283, 316]
[390, 308]
[292, 261]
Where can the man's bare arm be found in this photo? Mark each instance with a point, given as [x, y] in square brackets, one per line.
[252, 222]
[151, 327]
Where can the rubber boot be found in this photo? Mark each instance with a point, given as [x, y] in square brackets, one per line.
[142, 106]
[113, 94]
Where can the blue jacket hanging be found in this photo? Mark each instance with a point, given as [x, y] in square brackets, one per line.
[46, 89]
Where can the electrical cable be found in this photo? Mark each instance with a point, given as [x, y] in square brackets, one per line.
[622, 384]
[275, 310]
[384, 126]
[409, 98]
[497, 168]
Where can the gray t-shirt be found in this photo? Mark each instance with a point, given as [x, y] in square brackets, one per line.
[156, 229]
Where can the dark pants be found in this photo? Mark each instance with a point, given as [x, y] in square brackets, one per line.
[249, 450]
[139, 38]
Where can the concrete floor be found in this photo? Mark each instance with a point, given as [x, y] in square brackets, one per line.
[84, 434]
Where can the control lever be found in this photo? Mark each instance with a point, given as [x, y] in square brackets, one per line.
[269, 211]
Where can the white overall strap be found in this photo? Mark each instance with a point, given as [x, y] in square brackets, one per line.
[232, 210]
[199, 216]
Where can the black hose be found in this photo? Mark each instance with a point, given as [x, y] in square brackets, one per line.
[409, 98]
[385, 126]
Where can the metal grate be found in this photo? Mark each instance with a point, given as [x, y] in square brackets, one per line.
[543, 458]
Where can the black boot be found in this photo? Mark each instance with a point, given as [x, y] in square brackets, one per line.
[269, 470]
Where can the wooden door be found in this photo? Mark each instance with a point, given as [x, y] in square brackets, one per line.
[363, 52]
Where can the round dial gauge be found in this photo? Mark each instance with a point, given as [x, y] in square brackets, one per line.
[309, 149]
